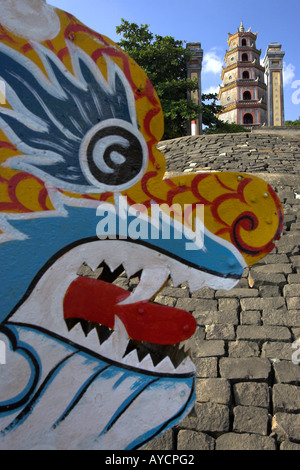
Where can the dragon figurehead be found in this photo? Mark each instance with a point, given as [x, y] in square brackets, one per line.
[89, 363]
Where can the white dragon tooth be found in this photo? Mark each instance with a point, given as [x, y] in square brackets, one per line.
[186, 365]
[76, 334]
[178, 274]
[92, 340]
[132, 266]
[112, 256]
[93, 261]
[113, 262]
[165, 366]
[152, 280]
[131, 359]
[115, 346]
[184, 345]
[197, 280]
[147, 363]
[120, 330]
[88, 256]
[107, 349]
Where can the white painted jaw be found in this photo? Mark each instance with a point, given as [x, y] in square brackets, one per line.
[49, 292]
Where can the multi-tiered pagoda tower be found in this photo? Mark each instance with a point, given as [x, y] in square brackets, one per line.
[243, 93]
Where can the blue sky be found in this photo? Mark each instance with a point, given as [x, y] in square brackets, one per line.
[209, 23]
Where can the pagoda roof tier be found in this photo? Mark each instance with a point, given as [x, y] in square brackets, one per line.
[248, 33]
[244, 49]
[240, 104]
[248, 82]
[240, 64]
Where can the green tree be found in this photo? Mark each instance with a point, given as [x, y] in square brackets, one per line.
[293, 123]
[221, 127]
[210, 109]
[164, 60]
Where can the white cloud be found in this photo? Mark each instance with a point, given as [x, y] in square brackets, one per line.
[212, 89]
[288, 73]
[212, 63]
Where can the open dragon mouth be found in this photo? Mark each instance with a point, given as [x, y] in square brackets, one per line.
[125, 327]
[131, 328]
[156, 335]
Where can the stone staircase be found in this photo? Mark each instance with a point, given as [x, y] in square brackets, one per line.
[248, 384]
[251, 152]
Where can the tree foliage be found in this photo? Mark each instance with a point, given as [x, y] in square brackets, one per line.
[210, 109]
[214, 125]
[164, 59]
[221, 127]
[293, 123]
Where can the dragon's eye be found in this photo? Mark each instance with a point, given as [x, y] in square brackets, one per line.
[113, 155]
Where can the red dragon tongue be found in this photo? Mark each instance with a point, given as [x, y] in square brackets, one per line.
[97, 301]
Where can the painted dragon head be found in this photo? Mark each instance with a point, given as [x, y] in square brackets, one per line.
[91, 364]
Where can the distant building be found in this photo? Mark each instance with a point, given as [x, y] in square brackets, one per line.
[273, 63]
[194, 69]
[243, 93]
[246, 98]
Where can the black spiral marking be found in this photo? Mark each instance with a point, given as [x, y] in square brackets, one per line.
[248, 222]
[133, 154]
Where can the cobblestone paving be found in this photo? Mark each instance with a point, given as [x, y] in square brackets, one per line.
[248, 384]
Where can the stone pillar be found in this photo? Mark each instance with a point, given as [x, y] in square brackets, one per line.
[273, 63]
[194, 69]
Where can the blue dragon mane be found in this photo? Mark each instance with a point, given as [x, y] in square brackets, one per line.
[50, 117]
